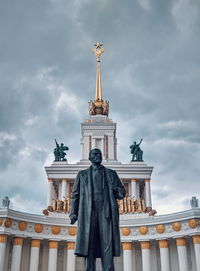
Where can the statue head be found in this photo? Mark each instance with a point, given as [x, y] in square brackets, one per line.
[62, 144]
[95, 156]
[134, 142]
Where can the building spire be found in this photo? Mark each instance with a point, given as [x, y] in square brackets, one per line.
[98, 106]
[98, 51]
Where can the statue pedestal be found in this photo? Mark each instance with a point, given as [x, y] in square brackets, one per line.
[60, 163]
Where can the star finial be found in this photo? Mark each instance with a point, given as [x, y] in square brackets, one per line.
[98, 50]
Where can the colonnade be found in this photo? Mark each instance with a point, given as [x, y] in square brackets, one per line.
[34, 254]
[129, 263]
[63, 191]
[147, 191]
[128, 259]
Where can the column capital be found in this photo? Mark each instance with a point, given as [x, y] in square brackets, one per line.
[65, 180]
[127, 246]
[70, 245]
[53, 244]
[147, 181]
[145, 245]
[196, 239]
[180, 242]
[35, 243]
[18, 241]
[163, 243]
[50, 180]
[3, 238]
[133, 180]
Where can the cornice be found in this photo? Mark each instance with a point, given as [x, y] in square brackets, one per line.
[135, 170]
[132, 229]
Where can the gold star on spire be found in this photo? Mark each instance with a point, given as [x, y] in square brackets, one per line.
[98, 50]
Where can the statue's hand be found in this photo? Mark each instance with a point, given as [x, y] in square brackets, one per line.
[73, 219]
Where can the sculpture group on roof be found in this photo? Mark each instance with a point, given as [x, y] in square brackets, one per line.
[136, 151]
[59, 152]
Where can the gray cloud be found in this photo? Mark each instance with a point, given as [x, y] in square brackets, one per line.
[150, 73]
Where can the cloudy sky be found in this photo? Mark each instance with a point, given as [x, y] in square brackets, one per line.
[150, 74]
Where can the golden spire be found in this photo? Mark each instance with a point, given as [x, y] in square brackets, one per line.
[98, 50]
[98, 106]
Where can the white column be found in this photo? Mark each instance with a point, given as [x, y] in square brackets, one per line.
[60, 190]
[146, 255]
[16, 253]
[3, 241]
[70, 256]
[82, 148]
[110, 147]
[182, 254]
[50, 193]
[127, 256]
[133, 189]
[93, 143]
[53, 251]
[164, 255]
[101, 148]
[148, 194]
[35, 252]
[196, 242]
[64, 188]
[86, 147]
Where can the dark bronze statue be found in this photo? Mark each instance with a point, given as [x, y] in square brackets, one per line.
[94, 204]
[59, 152]
[6, 202]
[136, 152]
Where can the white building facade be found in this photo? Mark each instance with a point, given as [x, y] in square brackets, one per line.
[149, 242]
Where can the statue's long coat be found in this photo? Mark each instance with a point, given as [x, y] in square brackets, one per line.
[81, 206]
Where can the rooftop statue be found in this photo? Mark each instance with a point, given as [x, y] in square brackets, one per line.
[6, 202]
[59, 152]
[94, 204]
[136, 151]
[194, 202]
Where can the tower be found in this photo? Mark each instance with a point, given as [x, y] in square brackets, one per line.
[99, 131]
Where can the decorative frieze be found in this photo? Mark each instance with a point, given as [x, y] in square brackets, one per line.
[72, 231]
[125, 231]
[143, 230]
[192, 223]
[176, 226]
[22, 226]
[55, 230]
[38, 228]
[160, 228]
[7, 223]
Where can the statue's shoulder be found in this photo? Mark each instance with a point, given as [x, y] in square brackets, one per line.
[83, 172]
[110, 171]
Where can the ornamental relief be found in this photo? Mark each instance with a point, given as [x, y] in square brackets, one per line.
[143, 230]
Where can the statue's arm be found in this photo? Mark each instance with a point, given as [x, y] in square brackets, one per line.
[56, 143]
[140, 141]
[75, 200]
[121, 192]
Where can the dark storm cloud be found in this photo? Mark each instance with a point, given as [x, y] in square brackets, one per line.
[150, 73]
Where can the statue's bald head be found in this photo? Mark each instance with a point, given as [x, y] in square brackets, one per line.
[95, 156]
